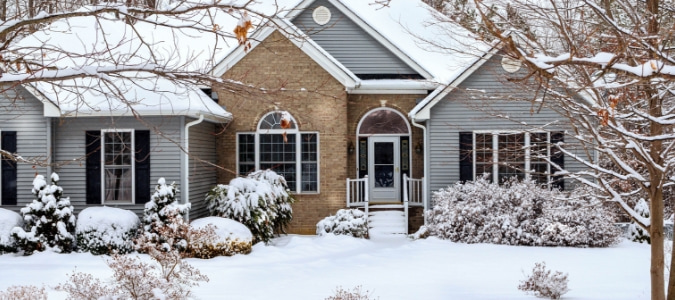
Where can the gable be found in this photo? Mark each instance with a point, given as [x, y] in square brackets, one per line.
[353, 47]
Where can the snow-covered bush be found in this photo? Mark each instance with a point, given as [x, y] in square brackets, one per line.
[543, 284]
[261, 201]
[637, 233]
[106, 230]
[8, 220]
[24, 292]
[48, 220]
[520, 213]
[163, 225]
[216, 236]
[169, 278]
[282, 197]
[352, 222]
[355, 294]
[421, 233]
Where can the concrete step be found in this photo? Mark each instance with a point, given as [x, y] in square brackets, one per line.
[386, 222]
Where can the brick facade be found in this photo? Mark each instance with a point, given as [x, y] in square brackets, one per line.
[294, 82]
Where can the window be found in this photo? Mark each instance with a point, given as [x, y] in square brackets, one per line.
[279, 146]
[503, 155]
[117, 166]
[8, 169]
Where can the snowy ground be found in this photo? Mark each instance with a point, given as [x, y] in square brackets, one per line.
[310, 267]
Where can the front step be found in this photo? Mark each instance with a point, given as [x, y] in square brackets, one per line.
[386, 222]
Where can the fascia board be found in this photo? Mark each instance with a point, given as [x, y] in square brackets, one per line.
[50, 109]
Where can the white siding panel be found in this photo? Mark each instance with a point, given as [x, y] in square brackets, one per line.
[69, 143]
[23, 113]
[349, 44]
[485, 101]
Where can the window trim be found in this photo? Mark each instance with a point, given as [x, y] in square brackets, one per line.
[298, 153]
[527, 145]
[133, 167]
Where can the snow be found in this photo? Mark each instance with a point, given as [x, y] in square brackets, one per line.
[110, 222]
[226, 229]
[8, 220]
[122, 69]
[413, 28]
[310, 267]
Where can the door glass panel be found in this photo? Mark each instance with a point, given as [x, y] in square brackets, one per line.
[384, 176]
[384, 153]
[384, 164]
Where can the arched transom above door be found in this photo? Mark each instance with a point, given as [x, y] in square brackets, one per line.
[383, 121]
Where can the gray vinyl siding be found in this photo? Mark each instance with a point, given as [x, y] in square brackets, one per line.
[357, 50]
[23, 113]
[202, 174]
[474, 106]
[69, 145]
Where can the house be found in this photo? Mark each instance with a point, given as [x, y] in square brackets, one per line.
[109, 138]
[378, 115]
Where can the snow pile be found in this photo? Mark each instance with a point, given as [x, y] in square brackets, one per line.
[216, 236]
[163, 225]
[106, 230]
[48, 220]
[8, 220]
[260, 201]
[352, 222]
[637, 233]
[520, 213]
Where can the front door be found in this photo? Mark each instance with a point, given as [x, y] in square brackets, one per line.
[384, 169]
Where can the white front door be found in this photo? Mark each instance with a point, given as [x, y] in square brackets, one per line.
[384, 168]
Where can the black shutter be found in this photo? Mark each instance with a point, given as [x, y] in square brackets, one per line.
[465, 156]
[558, 158]
[142, 152]
[93, 148]
[8, 169]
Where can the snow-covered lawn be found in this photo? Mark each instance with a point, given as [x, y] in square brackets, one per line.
[310, 267]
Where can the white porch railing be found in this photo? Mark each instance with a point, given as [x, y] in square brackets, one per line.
[412, 194]
[413, 190]
[357, 193]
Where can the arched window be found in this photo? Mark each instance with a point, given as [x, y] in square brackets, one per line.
[383, 121]
[278, 145]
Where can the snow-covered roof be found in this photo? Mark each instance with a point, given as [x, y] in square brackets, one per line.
[93, 50]
[414, 32]
[144, 95]
[427, 38]
[407, 28]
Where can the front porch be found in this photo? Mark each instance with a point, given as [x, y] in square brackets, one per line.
[381, 213]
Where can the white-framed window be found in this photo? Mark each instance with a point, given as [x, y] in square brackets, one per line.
[278, 145]
[117, 166]
[504, 155]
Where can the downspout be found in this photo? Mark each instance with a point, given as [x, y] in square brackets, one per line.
[186, 153]
[425, 191]
[48, 124]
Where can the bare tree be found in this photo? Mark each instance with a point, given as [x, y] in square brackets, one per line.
[106, 47]
[609, 67]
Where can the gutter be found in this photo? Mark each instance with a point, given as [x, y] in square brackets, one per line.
[186, 167]
[425, 191]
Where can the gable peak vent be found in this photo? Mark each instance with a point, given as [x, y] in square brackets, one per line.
[321, 15]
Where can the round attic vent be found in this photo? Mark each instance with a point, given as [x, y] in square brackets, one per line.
[321, 15]
[511, 65]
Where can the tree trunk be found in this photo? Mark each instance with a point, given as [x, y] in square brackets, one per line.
[656, 235]
[656, 175]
